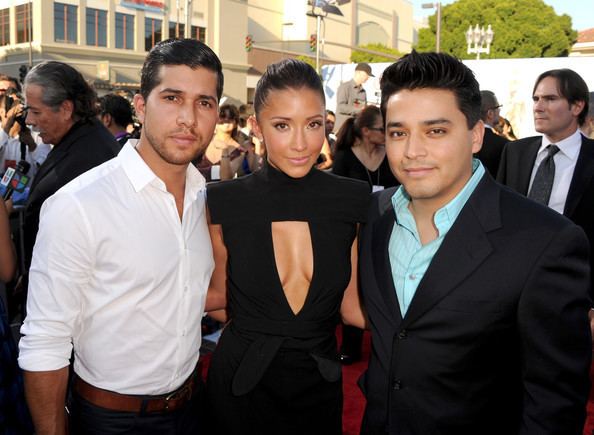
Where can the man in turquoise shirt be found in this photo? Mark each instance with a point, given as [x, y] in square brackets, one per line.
[477, 297]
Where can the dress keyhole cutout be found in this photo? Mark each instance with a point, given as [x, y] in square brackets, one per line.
[293, 255]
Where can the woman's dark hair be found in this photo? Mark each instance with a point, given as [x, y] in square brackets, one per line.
[434, 71]
[286, 74]
[188, 52]
[61, 82]
[230, 112]
[352, 128]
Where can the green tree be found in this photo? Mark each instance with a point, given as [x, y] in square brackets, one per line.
[523, 28]
[361, 56]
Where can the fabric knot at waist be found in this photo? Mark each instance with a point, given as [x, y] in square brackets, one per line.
[267, 338]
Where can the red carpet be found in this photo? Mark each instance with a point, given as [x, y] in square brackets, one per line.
[589, 427]
[354, 402]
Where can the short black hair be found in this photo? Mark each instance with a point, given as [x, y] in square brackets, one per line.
[174, 51]
[436, 71]
[287, 74]
[118, 107]
[61, 82]
[571, 86]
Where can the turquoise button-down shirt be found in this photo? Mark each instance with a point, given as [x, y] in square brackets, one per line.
[409, 259]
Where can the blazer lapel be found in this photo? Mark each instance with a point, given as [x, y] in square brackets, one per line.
[526, 163]
[381, 262]
[464, 248]
[582, 176]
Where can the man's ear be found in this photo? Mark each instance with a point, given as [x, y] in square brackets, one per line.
[106, 119]
[67, 108]
[477, 133]
[139, 107]
[577, 107]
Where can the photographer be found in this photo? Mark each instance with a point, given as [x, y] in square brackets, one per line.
[17, 143]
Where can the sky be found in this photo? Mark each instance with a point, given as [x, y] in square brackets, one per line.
[580, 11]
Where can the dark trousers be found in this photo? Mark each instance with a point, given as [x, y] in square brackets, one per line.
[89, 419]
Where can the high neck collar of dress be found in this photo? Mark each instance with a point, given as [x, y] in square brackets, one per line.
[273, 175]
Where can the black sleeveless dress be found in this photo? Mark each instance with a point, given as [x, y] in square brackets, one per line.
[275, 371]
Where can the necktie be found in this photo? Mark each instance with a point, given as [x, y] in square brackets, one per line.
[543, 180]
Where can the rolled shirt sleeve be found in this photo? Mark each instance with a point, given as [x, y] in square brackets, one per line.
[61, 267]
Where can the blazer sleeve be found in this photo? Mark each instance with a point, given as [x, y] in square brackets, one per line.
[502, 170]
[555, 337]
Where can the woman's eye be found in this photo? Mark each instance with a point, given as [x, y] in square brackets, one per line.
[315, 124]
[281, 126]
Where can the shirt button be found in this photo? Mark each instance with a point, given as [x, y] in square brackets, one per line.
[412, 276]
[402, 334]
[397, 384]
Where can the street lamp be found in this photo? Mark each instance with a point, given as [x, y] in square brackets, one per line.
[437, 6]
[479, 40]
[320, 9]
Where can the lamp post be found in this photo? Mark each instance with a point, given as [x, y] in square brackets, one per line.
[478, 40]
[319, 10]
[437, 6]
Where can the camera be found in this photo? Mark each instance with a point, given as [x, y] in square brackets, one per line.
[21, 119]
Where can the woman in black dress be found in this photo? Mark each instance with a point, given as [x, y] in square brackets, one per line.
[284, 241]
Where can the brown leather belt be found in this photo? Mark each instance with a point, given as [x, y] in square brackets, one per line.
[129, 403]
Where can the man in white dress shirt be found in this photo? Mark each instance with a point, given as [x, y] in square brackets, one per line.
[560, 99]
[121, 266]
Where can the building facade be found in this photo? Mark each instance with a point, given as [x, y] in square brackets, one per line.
[107, 40]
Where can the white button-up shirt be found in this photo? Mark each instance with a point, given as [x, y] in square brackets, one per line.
[565, 161]
[116, 273]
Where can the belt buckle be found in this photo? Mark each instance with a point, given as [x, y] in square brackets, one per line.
[183, 392]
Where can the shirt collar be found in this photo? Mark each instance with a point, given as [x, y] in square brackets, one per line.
[445, 216]
[140, 174]
[570, 146]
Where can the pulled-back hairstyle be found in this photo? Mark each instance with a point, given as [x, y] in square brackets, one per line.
[286, 74]
[434, 71]
[61, 82]
[571, 86]
[188, 52]
[352, 128]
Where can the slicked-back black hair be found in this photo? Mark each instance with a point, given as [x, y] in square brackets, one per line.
[188, 52]
[434, 71]
[286, 74]
[571, 86]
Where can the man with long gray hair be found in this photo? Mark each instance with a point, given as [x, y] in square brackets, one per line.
[61, 106]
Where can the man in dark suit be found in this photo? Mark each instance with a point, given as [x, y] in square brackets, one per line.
[560, 106]
[492, 147]
[477, 298]
[62, 107]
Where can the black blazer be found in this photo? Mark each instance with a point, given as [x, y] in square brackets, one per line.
[515, 169]
[496, 339]
[490, 152]
[86, 145]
